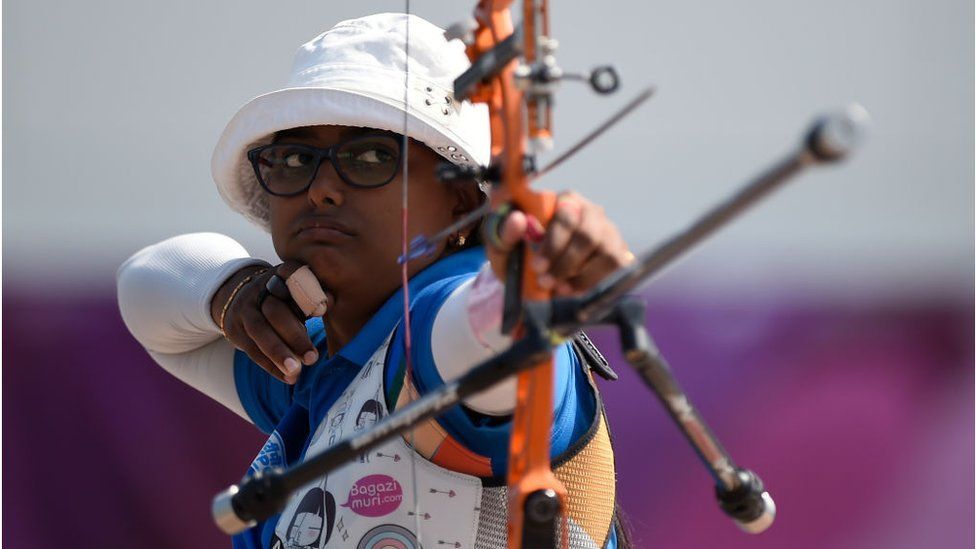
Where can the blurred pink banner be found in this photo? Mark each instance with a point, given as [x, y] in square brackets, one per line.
[860, 421]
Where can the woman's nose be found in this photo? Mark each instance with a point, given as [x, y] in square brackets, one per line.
[327, 188]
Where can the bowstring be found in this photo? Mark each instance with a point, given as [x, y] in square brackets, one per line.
[404, 267]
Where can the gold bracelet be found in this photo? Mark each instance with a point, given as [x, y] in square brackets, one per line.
[233, 294]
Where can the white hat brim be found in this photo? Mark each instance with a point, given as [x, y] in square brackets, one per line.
[257, 121]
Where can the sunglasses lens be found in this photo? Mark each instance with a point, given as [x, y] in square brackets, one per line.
[286, 169]
[369, 162]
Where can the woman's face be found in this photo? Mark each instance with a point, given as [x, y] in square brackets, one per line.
[351, 237]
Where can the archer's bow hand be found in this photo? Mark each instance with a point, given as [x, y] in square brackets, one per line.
[579, 248]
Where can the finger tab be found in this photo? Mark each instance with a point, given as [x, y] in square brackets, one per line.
[307, 292]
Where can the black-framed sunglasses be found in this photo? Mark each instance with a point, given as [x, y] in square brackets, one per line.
[367, 161]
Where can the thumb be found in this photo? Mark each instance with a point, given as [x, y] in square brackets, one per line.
[511, 231]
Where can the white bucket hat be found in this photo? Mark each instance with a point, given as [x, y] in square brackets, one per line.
[353, 75]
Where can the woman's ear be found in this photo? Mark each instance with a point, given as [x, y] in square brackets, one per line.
[467, 198]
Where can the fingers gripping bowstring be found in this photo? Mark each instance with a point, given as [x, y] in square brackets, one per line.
[404, 267]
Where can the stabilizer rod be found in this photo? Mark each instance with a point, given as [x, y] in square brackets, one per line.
[831, 138]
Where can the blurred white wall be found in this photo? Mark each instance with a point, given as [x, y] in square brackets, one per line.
[113, 107]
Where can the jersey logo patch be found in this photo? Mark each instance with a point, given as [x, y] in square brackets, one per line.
[374, 496]
[272, 454]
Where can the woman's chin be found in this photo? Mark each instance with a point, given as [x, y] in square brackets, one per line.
[344, 270]
[325, 257]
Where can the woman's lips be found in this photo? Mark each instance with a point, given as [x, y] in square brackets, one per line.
[323, 233]
[323, 229]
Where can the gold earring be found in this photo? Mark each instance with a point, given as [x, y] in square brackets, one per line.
[459, 241]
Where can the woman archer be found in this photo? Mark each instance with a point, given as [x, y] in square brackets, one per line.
[320, 165]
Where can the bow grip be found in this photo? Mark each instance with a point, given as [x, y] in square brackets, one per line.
[522, 283]
[541, 205]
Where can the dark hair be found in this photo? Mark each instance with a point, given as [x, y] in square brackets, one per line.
[625, 535]
[370, 406]
[316, 502]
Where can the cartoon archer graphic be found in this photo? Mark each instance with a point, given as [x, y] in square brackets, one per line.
[311, 525]
[368, 415]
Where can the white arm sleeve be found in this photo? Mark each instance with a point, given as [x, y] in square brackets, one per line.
[164, 293]
[466, 331]
[209, 369]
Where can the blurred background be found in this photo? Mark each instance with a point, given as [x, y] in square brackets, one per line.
[827, 336]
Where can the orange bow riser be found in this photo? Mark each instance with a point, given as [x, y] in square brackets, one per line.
[517, 119]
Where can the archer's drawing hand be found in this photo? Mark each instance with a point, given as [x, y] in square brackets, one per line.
[579, 248]
[268, 330]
